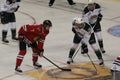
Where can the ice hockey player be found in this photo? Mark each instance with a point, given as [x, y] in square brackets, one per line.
[33, 36]
[7, 13]
[115, 69]
[92, 15]
[83, 33]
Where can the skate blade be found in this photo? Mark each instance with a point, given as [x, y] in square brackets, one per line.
[18, 73]
[37, 67]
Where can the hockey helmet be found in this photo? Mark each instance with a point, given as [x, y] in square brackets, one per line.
[47, 23]
[78, 20]
[91, 2]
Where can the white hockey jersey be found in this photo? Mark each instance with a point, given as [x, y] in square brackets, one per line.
[84, 33]
[7, 7]
[90, 17]
[116, 64]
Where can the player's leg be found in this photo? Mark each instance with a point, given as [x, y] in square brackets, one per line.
[94, 46]
[76, 41]
[71, 2]
[98, 34]
[100, 41]
[84, 48]
[51, 2]
[35, 56]
[5, 24]
[20, 56]
[12, 24]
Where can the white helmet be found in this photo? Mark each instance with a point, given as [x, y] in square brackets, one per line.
[91, 2]
[78, 20]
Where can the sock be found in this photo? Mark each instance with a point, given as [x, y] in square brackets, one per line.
[71, 53]
[20, 57]
[98, 54]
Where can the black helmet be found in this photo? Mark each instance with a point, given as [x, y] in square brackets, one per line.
[47, 23]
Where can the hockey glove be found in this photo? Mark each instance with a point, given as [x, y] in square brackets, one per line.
[17, 8]
[99, 18]
[20, 37]
[73, 30]
[40, 52]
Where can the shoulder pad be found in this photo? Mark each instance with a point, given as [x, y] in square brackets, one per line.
[18, 0]
[97, 6]
[86, 10]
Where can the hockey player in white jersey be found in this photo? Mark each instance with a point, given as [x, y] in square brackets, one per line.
[92, 15]
[115, 69]
[83, 33]
[8, 19]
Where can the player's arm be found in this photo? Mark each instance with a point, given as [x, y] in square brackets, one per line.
[18, 4]
[100, 16]
[41, 44]
[73, 29]
[88, 28]
[85, 15]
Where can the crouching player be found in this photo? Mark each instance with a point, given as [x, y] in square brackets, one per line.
[33, 36]
[84, 33]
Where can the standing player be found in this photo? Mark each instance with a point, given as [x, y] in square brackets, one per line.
[92, 15]
[69, 1]
[83, 33]
[33, 36]
[8, 19]
[115, 69]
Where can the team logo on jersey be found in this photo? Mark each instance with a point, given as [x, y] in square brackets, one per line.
[38, 29]
[115, 31]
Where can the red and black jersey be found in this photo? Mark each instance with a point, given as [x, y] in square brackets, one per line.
[34, 33]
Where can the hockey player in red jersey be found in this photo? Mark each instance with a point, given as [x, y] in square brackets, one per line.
[33, 36]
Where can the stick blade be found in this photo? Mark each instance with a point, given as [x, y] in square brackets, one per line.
[66, 69]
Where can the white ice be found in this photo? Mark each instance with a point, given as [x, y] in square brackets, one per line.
[59, 41]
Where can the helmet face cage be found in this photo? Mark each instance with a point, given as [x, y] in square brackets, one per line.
[81, 25]
[91, 5]
[78, 23]
[47, 23]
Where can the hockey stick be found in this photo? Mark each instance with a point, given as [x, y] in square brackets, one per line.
[92, 62]
[76, 52]
[28, 43]
[56, 64]
[80, 47]
[88, 54]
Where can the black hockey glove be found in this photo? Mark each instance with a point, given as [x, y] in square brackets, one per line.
[99, 18]
[20, 37]
[17, 8]
[40, 52]
[73, 30]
